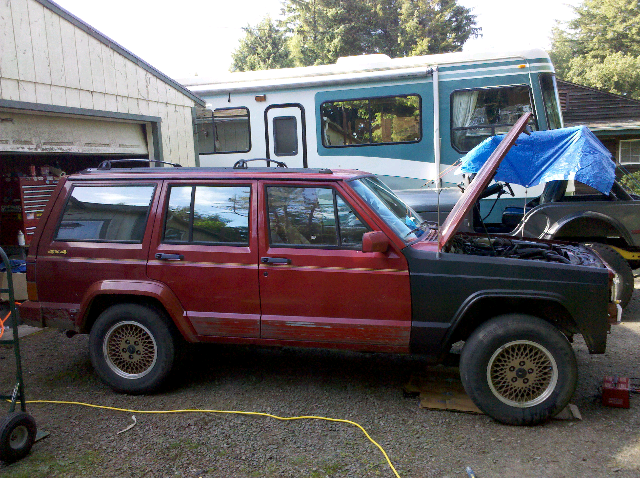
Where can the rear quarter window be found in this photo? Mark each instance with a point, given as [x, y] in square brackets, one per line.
[106, 214]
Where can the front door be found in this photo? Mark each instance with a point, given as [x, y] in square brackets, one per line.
[205, 248]
[316, 284]
[285, 134]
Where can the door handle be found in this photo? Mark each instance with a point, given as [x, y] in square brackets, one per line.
[275, 260]
[169, 257]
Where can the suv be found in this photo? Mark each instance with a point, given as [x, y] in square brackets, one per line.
[141, 258]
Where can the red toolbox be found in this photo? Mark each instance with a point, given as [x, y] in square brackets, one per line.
[615, 392]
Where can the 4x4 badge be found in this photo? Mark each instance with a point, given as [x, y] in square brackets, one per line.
[56, 251]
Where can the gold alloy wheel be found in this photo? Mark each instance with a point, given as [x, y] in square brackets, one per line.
[522, 373]
[130, 350]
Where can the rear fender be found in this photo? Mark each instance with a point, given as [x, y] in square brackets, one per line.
[557, 227]
[143, 289]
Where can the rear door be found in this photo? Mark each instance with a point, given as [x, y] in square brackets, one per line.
[101, 230]
[205, 248]
[286, 138]
[316, 284]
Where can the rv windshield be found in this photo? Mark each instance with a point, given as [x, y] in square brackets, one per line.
[404, 221]
[549, 89]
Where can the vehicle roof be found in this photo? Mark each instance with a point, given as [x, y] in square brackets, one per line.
[351, 67]
[94, 174]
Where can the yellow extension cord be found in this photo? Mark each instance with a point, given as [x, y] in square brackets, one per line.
[234, 412]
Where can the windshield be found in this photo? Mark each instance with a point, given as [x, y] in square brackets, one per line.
[548, 86]
[404, 221]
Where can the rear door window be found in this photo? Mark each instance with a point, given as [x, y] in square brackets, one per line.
[204, 214]
[106, 214]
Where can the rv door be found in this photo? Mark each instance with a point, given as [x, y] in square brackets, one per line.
[285, 134]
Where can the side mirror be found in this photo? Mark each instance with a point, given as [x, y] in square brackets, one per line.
[375, 241]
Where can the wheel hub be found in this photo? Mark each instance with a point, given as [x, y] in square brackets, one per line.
[130, 349]
[522, 373]
[18, 437]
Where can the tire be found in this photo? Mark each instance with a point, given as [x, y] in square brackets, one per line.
[17, 434]
[624, 273]
[132, 348]
[518, 369]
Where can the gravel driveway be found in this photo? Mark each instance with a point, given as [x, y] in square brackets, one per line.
[365, 388]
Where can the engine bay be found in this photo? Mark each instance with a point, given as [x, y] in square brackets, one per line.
[508, 247]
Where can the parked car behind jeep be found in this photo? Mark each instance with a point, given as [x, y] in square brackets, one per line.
[142, 258]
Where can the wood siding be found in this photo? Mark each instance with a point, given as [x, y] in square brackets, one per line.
[584, 105]
[46, 59]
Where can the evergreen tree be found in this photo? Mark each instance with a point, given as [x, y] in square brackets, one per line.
[321, 31]
[263, 47]
[601, 46]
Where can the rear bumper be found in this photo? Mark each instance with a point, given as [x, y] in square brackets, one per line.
[31, 314]
[38, 315]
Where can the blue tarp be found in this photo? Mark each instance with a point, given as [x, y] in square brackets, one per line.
[567, 153]
[16, 265]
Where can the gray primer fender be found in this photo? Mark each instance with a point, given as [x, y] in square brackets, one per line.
[547, 220]
[444, 287]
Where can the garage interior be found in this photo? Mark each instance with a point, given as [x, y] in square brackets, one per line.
[36, 149]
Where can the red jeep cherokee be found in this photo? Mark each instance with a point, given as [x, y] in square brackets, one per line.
[139, 258]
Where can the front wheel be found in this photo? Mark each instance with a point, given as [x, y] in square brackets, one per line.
[518, 369]
[132, 348]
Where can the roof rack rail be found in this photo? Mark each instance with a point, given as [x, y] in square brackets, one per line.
[106, 164]
[242, 163]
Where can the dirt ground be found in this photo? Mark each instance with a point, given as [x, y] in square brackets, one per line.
[364, 388]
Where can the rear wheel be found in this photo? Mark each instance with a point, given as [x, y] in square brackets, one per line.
[622, 269]
[132, 348]
[17, 434]
[518, 369]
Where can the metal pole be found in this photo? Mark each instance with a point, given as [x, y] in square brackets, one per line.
[436, 142]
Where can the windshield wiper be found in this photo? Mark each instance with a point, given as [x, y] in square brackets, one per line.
[420, 227]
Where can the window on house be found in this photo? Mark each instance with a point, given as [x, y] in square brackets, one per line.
[106, 214]
[208, 215]
[312, 217]
[479, 114]
[629, 152]
[388, 120]
[223, 130]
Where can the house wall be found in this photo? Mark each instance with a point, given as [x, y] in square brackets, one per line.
[46, 59]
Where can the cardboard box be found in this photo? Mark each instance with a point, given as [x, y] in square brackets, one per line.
[19, 286]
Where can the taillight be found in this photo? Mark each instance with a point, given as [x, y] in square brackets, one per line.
[32, 288]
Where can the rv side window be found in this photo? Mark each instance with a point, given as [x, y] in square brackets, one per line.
[478, 114]
[285, 136]
[223, 130]
[368, 121]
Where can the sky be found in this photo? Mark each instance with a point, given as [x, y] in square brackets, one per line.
[186, 38]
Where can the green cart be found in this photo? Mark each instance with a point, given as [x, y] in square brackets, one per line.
[17, 428]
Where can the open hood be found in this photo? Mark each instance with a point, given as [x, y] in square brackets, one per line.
[481, 181]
